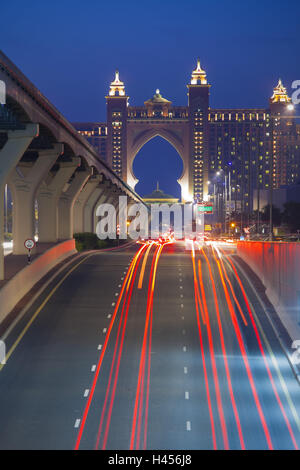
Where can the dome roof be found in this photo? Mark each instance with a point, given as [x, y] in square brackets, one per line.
[158, 99]
[158, 194]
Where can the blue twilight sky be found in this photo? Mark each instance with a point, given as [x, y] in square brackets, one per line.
[70, 50]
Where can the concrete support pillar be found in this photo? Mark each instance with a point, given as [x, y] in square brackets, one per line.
[24, 189]
[117, 207]
[111, 197]
[89, 208]
[81, 202]
[48, 196]
[66, 204]
[104, 198]
[17, 143]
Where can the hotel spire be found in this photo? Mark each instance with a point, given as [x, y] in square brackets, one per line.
[117, 87]
[280, 94]
[198, 75]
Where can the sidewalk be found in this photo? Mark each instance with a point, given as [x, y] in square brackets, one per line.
[14, 263]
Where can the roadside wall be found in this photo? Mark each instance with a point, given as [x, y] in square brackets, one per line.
[13, 291]
[278, 266]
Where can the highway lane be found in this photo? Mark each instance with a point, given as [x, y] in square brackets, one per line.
[42, 385]
[152, 347]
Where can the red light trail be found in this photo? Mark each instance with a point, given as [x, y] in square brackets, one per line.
[244, 355]
[236, 414]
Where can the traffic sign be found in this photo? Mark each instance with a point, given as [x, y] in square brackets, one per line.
[205, 207]
[29, 243]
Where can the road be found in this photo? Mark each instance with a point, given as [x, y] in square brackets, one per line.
[149, 347]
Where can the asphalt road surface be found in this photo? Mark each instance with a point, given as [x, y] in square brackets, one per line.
[149, 347]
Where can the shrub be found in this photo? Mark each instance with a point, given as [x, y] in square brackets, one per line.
[86, 241]
[90, 241]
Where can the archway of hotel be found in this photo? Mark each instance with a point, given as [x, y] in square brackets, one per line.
[158, 164]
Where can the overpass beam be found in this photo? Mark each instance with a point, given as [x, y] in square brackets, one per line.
[13, 150]
[66, 204]
[24, 191]
[48, 197]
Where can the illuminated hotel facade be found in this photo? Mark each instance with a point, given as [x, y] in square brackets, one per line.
[251, 146]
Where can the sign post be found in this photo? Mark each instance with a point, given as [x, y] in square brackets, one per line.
[29, 245]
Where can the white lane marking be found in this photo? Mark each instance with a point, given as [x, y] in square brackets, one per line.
[120, 285]
[181, 296]
[185, 370]
[187, 395]
[99, 347]
[184, 348]
[93, 368]
[77, 422]
[180, 287]
[188, 426]
[109, 315]
[113, 304]
[181, 305]
[86, 392]
[122, 278]
[104, 330]
[183, 332]
[182, 317]
[116, 294]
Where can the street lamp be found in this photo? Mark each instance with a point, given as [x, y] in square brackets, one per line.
[226, 193]
[6, 217]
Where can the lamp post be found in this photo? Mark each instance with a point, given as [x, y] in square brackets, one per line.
[221, 204]
[226, 195]
[6, 215]
[229, 194]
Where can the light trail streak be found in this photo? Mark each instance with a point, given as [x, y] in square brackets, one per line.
[118, 363]
[131, 270]
[140, 284]
[137, 413]
[213, 362]
[232, 290]
[89, 401]
[244, 356]
[143, 352]
[148, 384]
[203, 355]
[149, 351]
[235, 411]
[264, 356]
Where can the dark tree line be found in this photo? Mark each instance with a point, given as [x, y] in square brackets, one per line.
[290, 215]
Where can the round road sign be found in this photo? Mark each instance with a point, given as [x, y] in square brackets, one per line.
[29, 243]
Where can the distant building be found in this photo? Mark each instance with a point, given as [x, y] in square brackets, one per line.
[95, 133]
[255, 147]
[158, 196]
